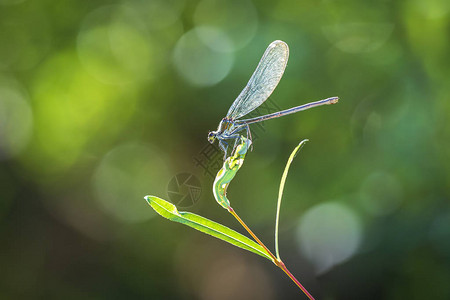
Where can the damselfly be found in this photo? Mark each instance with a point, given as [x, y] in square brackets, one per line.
[260, 86]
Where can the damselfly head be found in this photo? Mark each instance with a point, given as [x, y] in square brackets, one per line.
[212, 136]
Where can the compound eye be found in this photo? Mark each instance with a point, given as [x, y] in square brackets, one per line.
[211, 137]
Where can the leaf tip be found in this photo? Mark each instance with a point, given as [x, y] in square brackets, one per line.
[149, 199]
[302, 142]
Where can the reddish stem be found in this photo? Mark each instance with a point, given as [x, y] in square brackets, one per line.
[276, 261]
[283, 267]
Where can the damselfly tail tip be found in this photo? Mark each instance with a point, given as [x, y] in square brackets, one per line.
[334, 100]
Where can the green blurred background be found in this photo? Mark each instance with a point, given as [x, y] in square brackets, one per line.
[104, 102]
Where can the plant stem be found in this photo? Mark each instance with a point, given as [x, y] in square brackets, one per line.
[231, 210]
[282, 266]
[276, 261]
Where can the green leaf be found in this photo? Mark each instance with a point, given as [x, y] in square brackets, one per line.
[230, 167]
[169, 211]
[280, 192]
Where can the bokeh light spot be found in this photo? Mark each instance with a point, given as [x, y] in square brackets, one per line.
[158, 14]
[16, 121]
[73, 111]
[218, 13]
[125, 175]
[433, 9]
[358, 37]
[328, 234]
[113, 45]
[23, 44]
[196, 57]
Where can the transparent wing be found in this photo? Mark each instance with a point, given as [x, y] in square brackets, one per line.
[263, 81]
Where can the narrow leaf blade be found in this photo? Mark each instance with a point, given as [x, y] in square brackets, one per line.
[280, 192]
[169, 211]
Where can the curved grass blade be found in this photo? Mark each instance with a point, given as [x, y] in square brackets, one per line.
[169, 211]
[280, 192]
